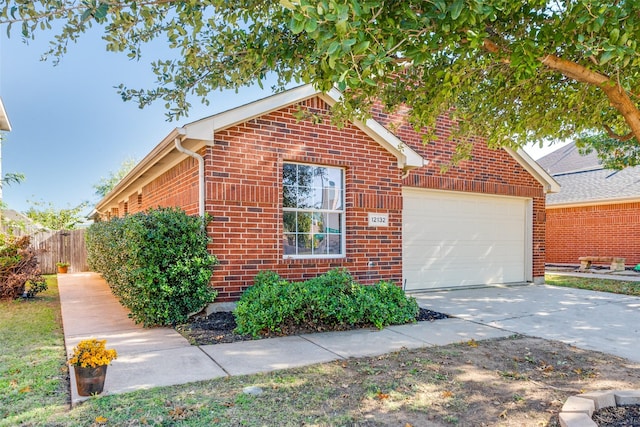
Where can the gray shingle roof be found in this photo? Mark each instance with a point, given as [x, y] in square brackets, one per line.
[568, 159]
[583, 179]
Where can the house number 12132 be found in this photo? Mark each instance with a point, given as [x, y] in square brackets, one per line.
[378, 220]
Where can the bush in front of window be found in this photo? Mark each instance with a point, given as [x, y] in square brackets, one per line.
[332, 301]
[156, 263]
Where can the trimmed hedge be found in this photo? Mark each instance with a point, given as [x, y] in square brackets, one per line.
[155, 262]
[332, 301]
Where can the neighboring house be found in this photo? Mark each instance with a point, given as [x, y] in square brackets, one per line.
[300, 197]
[597, 212]
[4, 126]
[19, 224]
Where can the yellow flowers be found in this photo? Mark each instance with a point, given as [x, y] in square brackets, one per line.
[92, 353]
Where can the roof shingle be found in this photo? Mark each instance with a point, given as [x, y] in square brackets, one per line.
[584, 179]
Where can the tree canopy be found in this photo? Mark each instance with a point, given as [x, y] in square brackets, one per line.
[511, 71]
[106, 184]
[53, 218]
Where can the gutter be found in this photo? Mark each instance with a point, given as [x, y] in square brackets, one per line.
[201, 184]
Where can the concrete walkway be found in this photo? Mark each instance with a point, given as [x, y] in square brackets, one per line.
[161, 357]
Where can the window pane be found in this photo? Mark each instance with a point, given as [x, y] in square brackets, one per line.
[308, 192]
[304, 222]
[305, 198]
[333, 223]
[320, 244]
[290, 222]
[289, 174]
[289, 244]
[290, 197]
[305, 176]
[334, 245]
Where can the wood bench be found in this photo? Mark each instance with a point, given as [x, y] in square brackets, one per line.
[617, 263]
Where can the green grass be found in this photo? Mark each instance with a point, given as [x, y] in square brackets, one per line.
[594, 284]
[33, 374]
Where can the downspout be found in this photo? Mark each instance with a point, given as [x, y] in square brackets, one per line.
[201, 183]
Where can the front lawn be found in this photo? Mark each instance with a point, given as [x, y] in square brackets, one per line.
[594, 284]
[514, 381]
[33, 374]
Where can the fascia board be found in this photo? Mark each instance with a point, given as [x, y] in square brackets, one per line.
[150, 160]
[4, 119]
[250, 111]
[550, 185]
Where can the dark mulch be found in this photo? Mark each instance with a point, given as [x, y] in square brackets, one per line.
[218, 328]
[618, 416]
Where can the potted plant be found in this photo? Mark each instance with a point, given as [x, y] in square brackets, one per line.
[90, 360]
[62, 267]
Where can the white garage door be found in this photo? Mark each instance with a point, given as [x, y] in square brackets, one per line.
[453, 239]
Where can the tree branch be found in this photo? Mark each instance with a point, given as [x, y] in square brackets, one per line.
[618, 97]
[614, 135]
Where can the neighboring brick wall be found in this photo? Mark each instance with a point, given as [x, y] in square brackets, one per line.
[601, 230]
[488, 171]
[244, 195]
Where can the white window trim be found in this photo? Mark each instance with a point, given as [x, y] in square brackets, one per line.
[343, 212]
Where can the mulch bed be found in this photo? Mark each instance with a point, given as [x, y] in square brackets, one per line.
[218, 328]
[618, 416]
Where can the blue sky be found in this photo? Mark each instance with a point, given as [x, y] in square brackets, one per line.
[69, 125]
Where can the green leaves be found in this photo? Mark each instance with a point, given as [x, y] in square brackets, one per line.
[440, 48]
[332, 301]
[156, 263]
[456, 9]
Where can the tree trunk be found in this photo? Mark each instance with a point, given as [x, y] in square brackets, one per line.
[617, 95]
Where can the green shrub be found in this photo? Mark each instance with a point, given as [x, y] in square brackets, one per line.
[155, 262]
[332, 301]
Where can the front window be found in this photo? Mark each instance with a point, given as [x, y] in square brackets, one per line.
[313, 202]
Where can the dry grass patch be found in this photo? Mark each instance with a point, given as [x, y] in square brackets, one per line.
[518, 381]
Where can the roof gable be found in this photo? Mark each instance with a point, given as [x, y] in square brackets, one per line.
[204, 129]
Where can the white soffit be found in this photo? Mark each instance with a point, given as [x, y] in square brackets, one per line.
[4, 119]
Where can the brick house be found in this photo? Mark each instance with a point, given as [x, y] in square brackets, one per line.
[597, 212]
[302, 196]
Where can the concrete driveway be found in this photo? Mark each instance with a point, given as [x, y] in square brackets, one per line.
[590, 320]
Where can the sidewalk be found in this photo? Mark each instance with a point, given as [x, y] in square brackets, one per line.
[162, 357]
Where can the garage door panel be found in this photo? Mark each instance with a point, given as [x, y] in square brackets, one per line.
[462, 239]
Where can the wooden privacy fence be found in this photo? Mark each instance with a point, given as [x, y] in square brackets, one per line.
[60, 246]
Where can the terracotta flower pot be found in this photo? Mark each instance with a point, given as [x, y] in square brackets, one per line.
[90, 381]
[62, 269]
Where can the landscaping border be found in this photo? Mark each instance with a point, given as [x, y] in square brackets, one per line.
[578, 410]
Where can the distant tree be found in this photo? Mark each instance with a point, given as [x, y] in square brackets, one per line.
[512, 71]
[49, 216]
[12, 178]
[105, 185]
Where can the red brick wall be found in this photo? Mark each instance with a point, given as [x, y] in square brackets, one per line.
[602, 230]
[176, 187]
[244, 195]
[488, 171]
